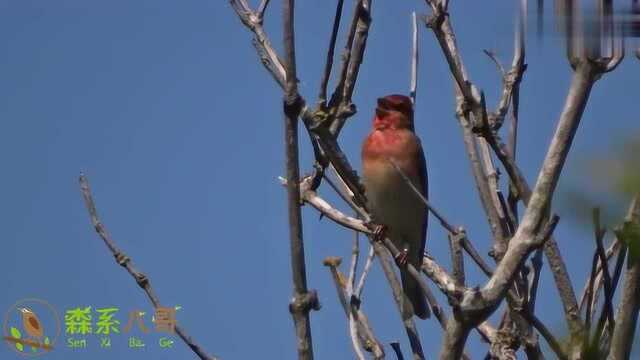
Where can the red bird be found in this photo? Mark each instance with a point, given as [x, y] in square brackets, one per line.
[390, 199]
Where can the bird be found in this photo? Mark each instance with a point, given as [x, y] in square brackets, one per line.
[31, 324]
[391, 201]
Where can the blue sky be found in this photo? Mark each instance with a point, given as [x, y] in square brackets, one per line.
[166, 108]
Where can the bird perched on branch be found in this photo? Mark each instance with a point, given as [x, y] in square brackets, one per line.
[31, 323]
[390, 198]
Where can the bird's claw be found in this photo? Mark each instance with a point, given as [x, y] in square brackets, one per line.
[379, 233]
[401, 258]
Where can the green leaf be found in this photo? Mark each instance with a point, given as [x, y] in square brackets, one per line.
[46, 341]
[15, 333]
[20, 347]
[630, 234]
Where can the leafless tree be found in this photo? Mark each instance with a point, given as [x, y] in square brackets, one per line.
[520, 242]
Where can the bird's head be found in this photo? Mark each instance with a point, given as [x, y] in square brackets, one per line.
[394, 112]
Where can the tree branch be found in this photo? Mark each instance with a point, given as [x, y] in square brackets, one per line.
[123, 260]
[608, 290]
[268, 55]
[401, 303]
[353, 312]
[322, 97]
[627, 315]
[302, 301]
[351, 65]
[413, 88]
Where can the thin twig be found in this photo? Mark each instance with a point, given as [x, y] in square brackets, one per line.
[612, 250]
[608, 291]
[627, 313]
[547, 335]
[353, 332]
[352, 59]
[466, 243]
[471, 250]
[123, 260]
[261, 42]
[536, 264]
[396, 349]
[426, 202]
[414, 59]
[500, 242]
[322, 97]
[262, 8]
[590, 303]
[364, 330]
[398, 296]
[365, 272]
[355, 254]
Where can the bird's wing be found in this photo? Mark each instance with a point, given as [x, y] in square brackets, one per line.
[424, 181]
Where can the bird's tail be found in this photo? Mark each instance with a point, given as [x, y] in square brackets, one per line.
[414, 294]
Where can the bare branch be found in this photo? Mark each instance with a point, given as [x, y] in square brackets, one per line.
[466, 243]
[455, 337]
[322, 97]
[123, 260]
[261, 42]
[608, 290]
[352, 58]
[396, 349]
[482, 183]
[511, 79]
[547, 180]
[536, 264]
[468, 247]
[500, 243]
[627, 315]
[496, 61]
[365, 271]
[590, 302]
[353, 332]
[355, 254]
[612, 250]
[365, 333]
[302, 301]
[323, 207]
[414, 59]
[586, 74]
[444, 281]
[546, 334]
[262, 8]
[398, 296]
[417, 192]
[456, 258]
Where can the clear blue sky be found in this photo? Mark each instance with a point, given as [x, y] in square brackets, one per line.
[178, 127]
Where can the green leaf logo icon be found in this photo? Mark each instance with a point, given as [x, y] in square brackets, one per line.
[15, 333]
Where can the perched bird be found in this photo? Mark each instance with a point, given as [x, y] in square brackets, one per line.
[390, 199]
[31, 324]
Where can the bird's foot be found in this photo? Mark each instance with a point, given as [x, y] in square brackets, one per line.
[401, 257]
[379, 233]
